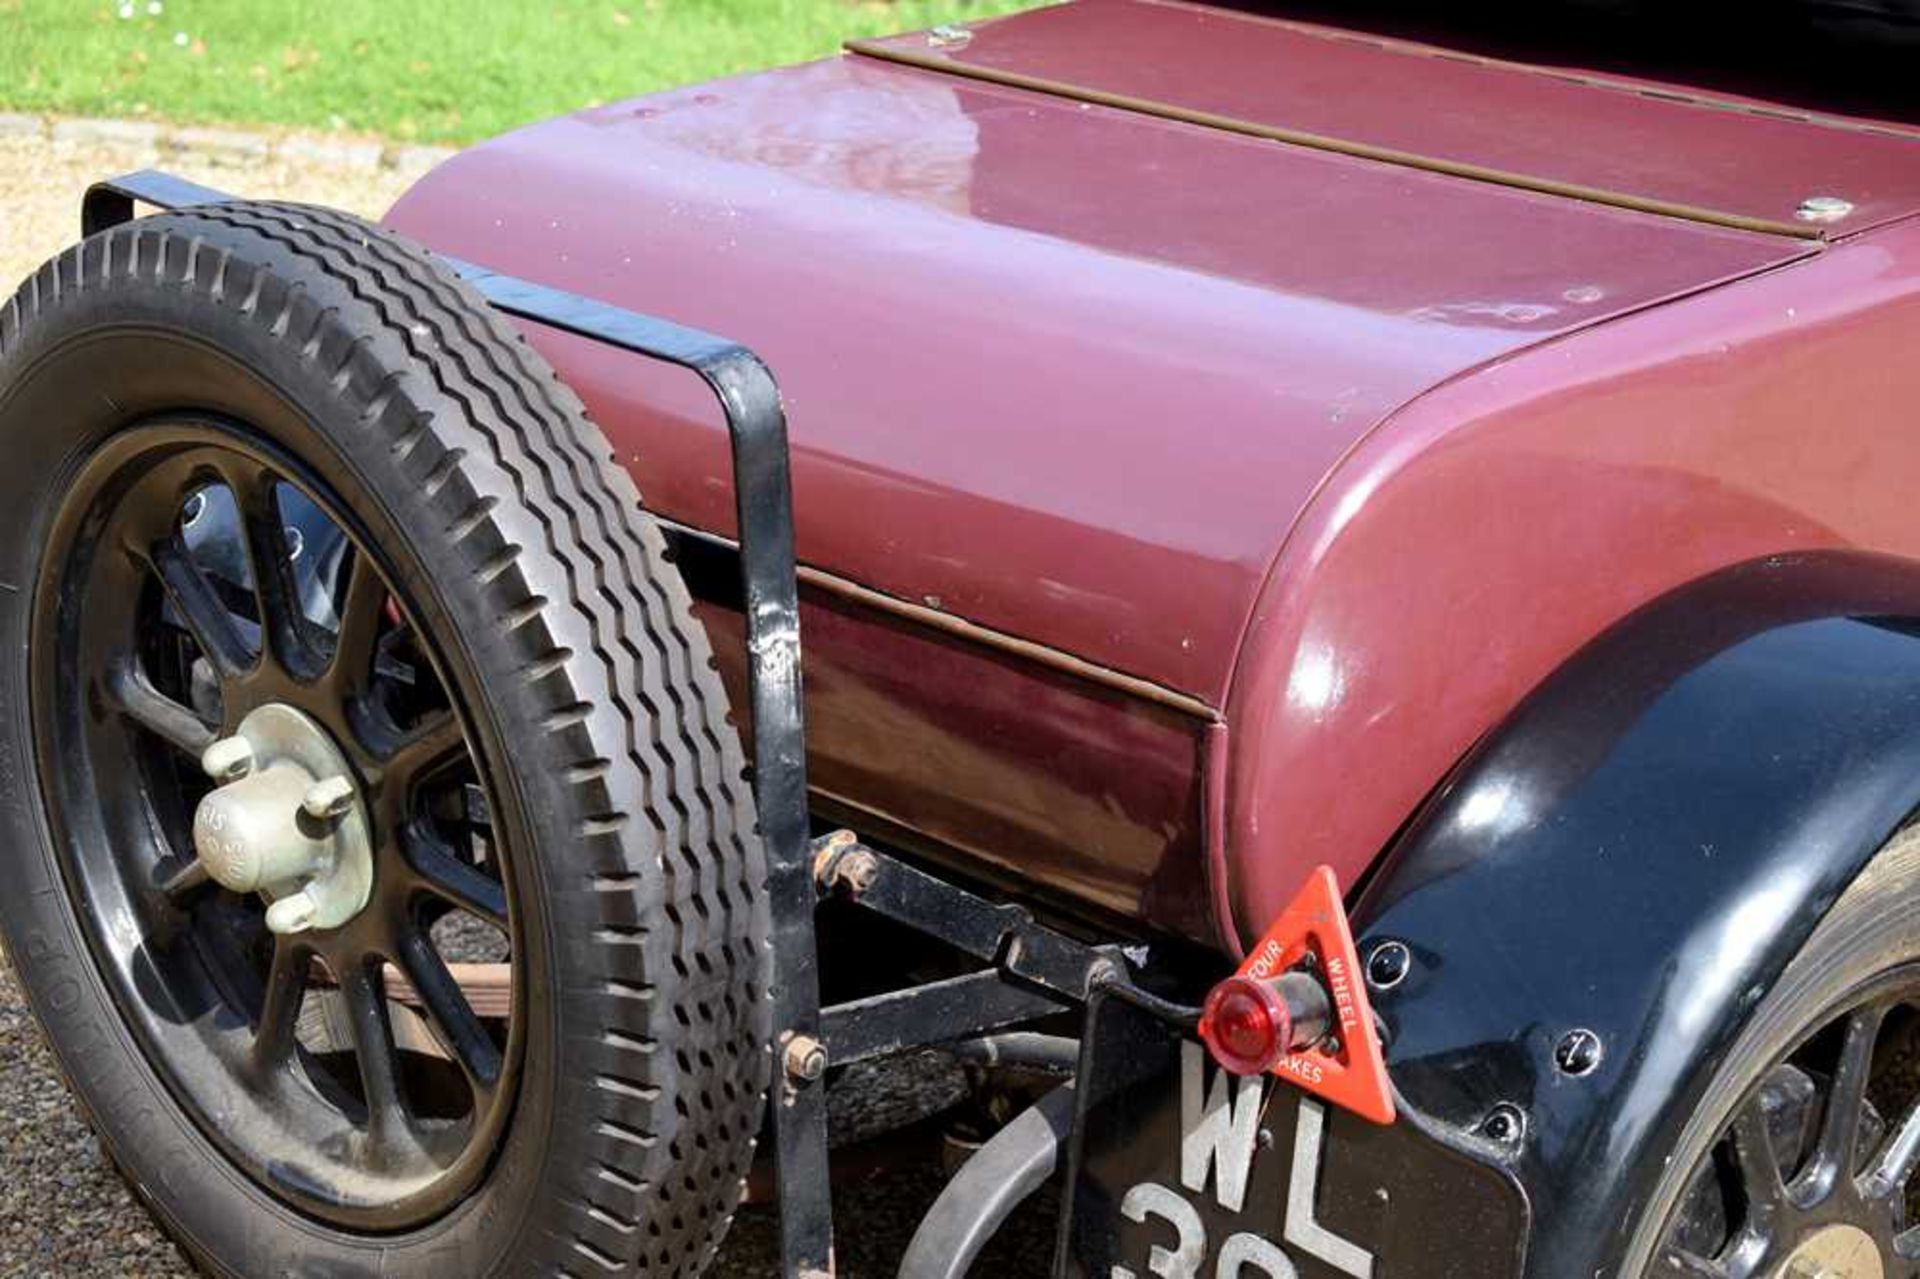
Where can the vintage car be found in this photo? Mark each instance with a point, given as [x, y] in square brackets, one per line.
[1361, 621]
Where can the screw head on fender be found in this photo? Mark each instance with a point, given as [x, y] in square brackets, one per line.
[1578, 1053]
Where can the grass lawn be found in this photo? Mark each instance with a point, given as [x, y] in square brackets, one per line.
[431, 70]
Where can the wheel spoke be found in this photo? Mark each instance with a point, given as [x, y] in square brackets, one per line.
[430, 746]
[287, 978]
[205, 614]
[129, 692]
[1759, 1167]
[388, 1123]
[1837, 1153]
[360, 613]
[282, 620]
[1898, 1156]
[449, 1014]
[447, 877]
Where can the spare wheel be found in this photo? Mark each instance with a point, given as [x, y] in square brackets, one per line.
[381, 865]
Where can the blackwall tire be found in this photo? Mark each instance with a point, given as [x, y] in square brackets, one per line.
[1864, 952]
[518, 548]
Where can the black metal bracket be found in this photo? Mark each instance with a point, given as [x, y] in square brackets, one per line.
[763, 496]
[1005, 936]
[1034, 971]
[110, 203]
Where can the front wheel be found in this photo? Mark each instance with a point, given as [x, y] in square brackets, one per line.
[380, 863]
[1800, 1161]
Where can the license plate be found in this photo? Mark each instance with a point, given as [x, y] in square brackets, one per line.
[1183, 1171]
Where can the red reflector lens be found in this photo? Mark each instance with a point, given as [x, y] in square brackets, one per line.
[1245, 1025]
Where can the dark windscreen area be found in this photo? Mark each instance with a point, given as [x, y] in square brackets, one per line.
[1853, 57]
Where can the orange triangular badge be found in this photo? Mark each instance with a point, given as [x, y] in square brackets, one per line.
[1355, 1077]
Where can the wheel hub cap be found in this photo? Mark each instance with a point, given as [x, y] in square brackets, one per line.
[1835, 1252]
[286, 820]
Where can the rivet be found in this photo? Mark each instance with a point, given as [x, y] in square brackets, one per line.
[1388, 965]
[1823, 208]
[947, 36]
[1578, 1053]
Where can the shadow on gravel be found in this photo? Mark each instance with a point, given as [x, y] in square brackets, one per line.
[875, 1218]
[64, 1212]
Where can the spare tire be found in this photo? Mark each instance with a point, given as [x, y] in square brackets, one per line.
[338, 651]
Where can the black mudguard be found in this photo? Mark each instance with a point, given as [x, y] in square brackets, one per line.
[1637, 854]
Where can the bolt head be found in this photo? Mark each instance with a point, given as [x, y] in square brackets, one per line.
[228, 760]
[292, 914]
[329, 797]
[1578, 1053]
[1388, 965]
[827, 851]
[805, 1059]
[858, 870]
[1823, 208]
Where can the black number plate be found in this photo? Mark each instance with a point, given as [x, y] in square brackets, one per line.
[1182, 1170]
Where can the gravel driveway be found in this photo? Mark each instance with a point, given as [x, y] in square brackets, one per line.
[40, 192]
[63, 1210]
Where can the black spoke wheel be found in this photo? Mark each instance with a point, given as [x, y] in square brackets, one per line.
[1817, 1167]
[383, 869]
[1801, 1161]
[197, 574]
